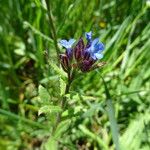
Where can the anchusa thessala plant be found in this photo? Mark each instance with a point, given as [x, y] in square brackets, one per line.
[82, 55]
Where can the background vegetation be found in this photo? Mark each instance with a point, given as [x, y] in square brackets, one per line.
[25, 35]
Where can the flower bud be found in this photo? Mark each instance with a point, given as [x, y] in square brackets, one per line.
[69, 53]
[79, 49]
[64, 60]
[86, 55]
[86, 65]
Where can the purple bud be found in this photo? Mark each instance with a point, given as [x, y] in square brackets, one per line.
[77, 53]
[86, 55]
[69, 53]
[79, 49]
[87, 65]
[64, 60]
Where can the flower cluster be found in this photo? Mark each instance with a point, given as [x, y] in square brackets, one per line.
[82, 55]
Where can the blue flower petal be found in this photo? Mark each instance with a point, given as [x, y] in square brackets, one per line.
[100, 46]
[98, 55]
[93, 56]
[64, 43]
[95, 41]
[96, 49]
[93, 45]
[88, 35]
[71, 41]
[67, 44]
[96, 45]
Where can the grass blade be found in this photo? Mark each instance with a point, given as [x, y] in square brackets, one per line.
[111, 115]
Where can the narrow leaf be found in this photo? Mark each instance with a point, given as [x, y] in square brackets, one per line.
[112, 119]
[95, 137]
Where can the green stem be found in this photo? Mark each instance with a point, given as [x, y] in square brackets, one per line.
[63, 105]
[64, 101]
[53, 30]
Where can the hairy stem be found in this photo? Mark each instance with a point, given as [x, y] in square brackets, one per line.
[53, 30]
[63, 105]
[64, 101]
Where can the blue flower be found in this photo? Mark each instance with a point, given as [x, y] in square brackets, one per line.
[82, 56]
[88, 36]
[67, 44]
[96, 48]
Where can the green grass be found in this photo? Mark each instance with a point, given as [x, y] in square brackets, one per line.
[88, 122]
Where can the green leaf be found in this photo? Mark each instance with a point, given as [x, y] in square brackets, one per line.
[113, 123]
[25, 121]
[136, 130]
[62, 87]
[51, 144]
[111, 116]
[59, 71]
[44, 95]
[91, 111]
[61, 128]
[34, 30]
[93, 136]
[49, 109]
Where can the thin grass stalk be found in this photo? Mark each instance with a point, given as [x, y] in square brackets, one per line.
[53, 30]
[111, 115]
[22, 119]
